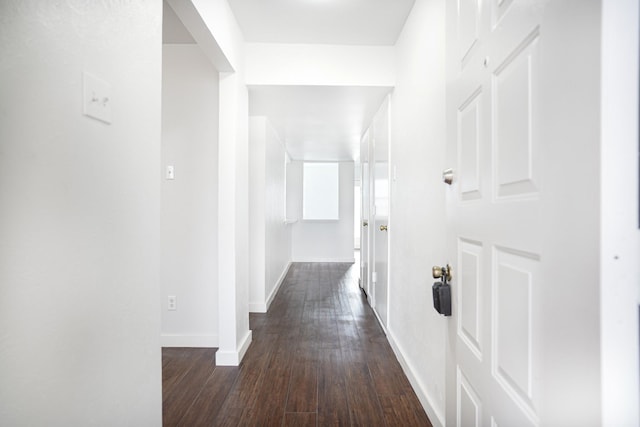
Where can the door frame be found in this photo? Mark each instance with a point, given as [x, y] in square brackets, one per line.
[620, 210]
[383, 114]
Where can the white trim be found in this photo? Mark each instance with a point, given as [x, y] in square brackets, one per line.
[619, 237]
[435, 416]
[194, 341]
[389, 222]
[314, 259]
[384, 328]
[257, 307]
[263, 307]
[233, 358]
[276, 288]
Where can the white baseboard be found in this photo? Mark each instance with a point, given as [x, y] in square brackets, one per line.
[233, 358]
[195, 341]
[314, 259]
[257, 307]
[276, 288]
[435, 416]
[384, 328]
[263, 307]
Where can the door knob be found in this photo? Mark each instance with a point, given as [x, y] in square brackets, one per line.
[439, 272]
[447, 176]
[365, 223]
[383, 228]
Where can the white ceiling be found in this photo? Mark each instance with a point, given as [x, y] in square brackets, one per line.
[353, 22]
[318, 122]
[314, 122]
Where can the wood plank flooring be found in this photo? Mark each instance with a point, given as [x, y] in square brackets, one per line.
[318, 358]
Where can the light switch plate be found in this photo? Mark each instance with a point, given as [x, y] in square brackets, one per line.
[96, 95]
[170, 174]
[172, 303]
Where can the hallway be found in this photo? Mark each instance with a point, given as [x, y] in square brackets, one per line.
[318, 357]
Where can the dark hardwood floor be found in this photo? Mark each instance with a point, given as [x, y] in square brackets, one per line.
[319, 357]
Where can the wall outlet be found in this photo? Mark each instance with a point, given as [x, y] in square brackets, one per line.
[172, 303]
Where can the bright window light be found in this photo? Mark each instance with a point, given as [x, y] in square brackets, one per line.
[320, 191]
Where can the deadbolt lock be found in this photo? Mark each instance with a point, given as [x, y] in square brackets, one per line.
[444, 272]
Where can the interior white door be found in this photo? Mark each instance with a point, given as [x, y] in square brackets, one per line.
[501, 244]
[364, 213]
[380, 229]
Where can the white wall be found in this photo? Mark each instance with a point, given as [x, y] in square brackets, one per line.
[79, 223]
[257, 223]
[243, 338]
[278, 234]
[214, 35]
[233, 221]
[321, 241]
[213, 26]
[270, 237]
[189, 219]
[416, 331]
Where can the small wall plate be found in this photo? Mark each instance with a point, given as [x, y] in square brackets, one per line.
[96, 95]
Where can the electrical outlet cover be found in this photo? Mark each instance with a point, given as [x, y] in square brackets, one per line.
[172, 303]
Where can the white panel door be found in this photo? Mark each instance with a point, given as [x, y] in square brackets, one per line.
[498, 347]
[364, 213]
[380, 230]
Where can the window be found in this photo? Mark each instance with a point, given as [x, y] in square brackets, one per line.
[320, 191]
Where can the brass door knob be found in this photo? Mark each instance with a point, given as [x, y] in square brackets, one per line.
[383, 228]
[365, 223]
[439, 272]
